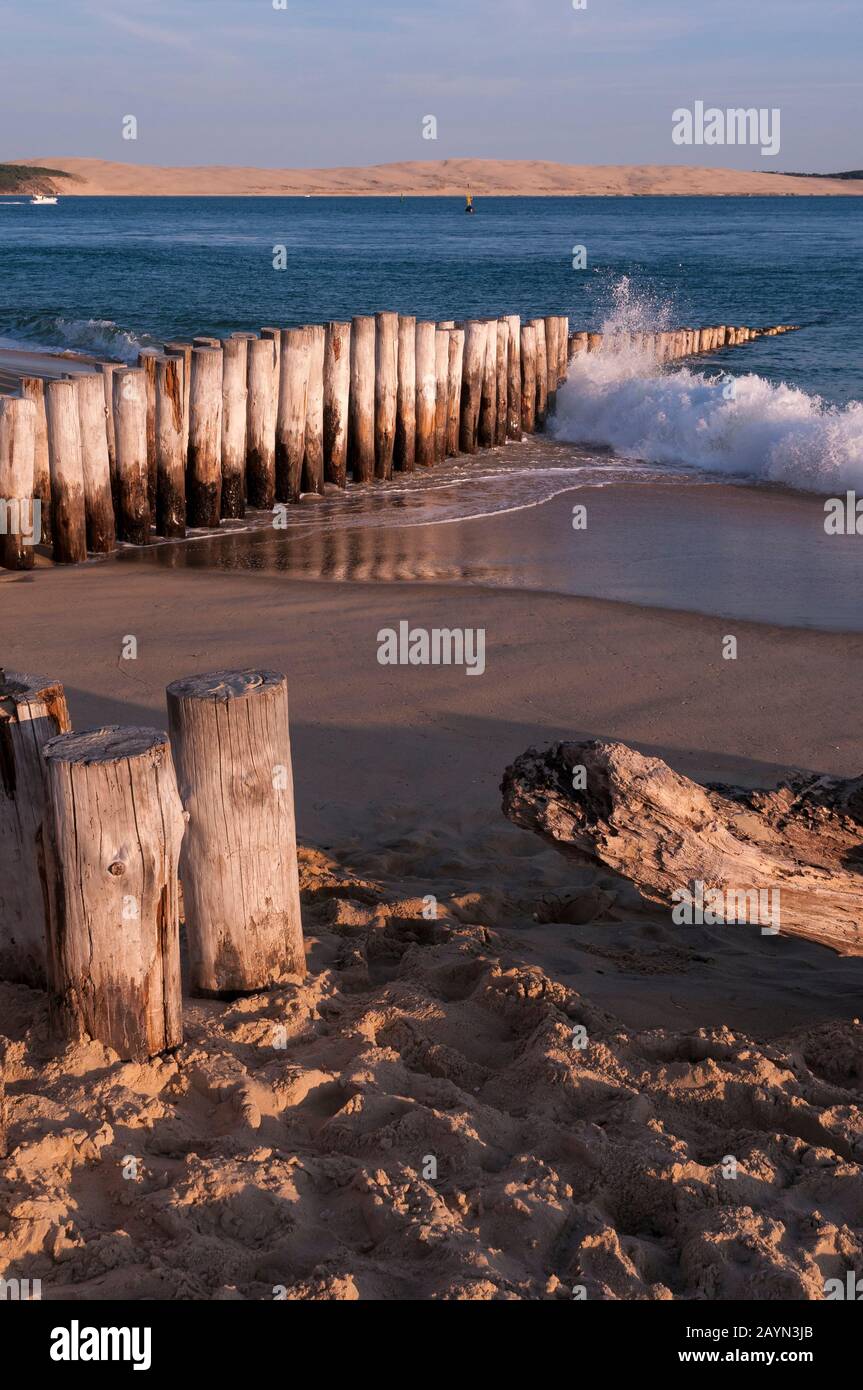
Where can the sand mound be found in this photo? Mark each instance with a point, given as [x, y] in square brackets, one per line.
[428, 1116]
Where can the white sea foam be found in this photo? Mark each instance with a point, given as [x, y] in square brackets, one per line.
[48, 332]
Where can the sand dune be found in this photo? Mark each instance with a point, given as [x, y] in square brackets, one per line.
[447, 177]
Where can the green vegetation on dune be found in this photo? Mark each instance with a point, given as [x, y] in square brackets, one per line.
[30, 178]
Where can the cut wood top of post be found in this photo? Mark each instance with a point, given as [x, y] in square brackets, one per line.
[22, 688]
[111, 744]
[225, 685]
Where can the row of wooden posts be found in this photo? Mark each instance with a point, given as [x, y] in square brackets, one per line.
[199, 431]
[99, 828]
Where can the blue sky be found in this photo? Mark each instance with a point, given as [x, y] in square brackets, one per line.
[327, 82]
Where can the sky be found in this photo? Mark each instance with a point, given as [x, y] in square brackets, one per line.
[321, 83]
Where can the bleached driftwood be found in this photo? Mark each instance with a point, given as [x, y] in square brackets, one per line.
[665, 833]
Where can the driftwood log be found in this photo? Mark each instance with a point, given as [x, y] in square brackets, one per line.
[664, 833]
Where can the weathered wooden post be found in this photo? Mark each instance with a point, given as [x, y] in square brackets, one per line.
[577, 345]
[404, 451]
[488, 392]
[453, 389]
[32, 710]
[33, 389]
[275, 337]
[563, 346]
[426, 393]
[441, 371]
[313, 457]
[386, 391]
[204, 471]
[337, 390]
[235, 363]
[552, 350]
[68, 515]
[260, 426]
[113, 829]
[361, 428]
[205, 342]
[528, 378]
[130, 429]
[513, 377]
[291, 421]
[147, 362]
[183, 350]
[502, 381]
[21, 511]
[170, 456]
[98, 499]
[541, 374]
[239, 860]
[594, 342]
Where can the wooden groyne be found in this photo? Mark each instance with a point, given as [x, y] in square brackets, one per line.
[99, 829]
[201, 431]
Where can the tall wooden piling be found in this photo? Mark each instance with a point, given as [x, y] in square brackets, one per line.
[453, 392]
[235, 364]
[404, 451]
[502, 381]
[337, 389]
[291, 420]
[426, 380]
[386, 391]
[441, 368]
[204, 470]
[488, 392]
[552, 350]
[528, 377]
[68, 514]
[21, 511]
[563, 349]
[114, 825]
[32, 710]
[260, 426]
[513, 382]
[239, 858]
[147, 362]
[33, 389]
[98, 497]
[313, 457]
[541, 374]
[183, 350]
[170, 455]
[130, 424]
[275, 337]
[361, 428]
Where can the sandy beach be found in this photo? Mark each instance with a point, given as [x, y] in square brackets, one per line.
[302, 1169]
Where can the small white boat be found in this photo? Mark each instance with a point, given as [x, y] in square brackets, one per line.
[41, 200]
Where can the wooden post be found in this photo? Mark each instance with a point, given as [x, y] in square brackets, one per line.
[577, 345]
[32, 710]
[107, 370]
[235, 362]
[453, 391]
[404, 452]
[502, 380]
[513, 383]
[274, 335]
[426, 393]
[337, 390]
[130, 428]
[204, 471]
[594, 342]
[33, 389]
[260, 426]
[471, 384]
[361, 427]
[98, 499]
[231, 742]
[563, 349]
[552, 350]
[386, 391]
[205, 342]
[541, 374]
[147, 362]
[291, 420]
[528, 377]
[488, 393]
[170, 456]
[21, 511]
[184, 350]
[441, 371]
[313, 457]
[68, 516]
[113, 830]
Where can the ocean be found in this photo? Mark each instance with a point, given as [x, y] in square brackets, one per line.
[781, 417]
